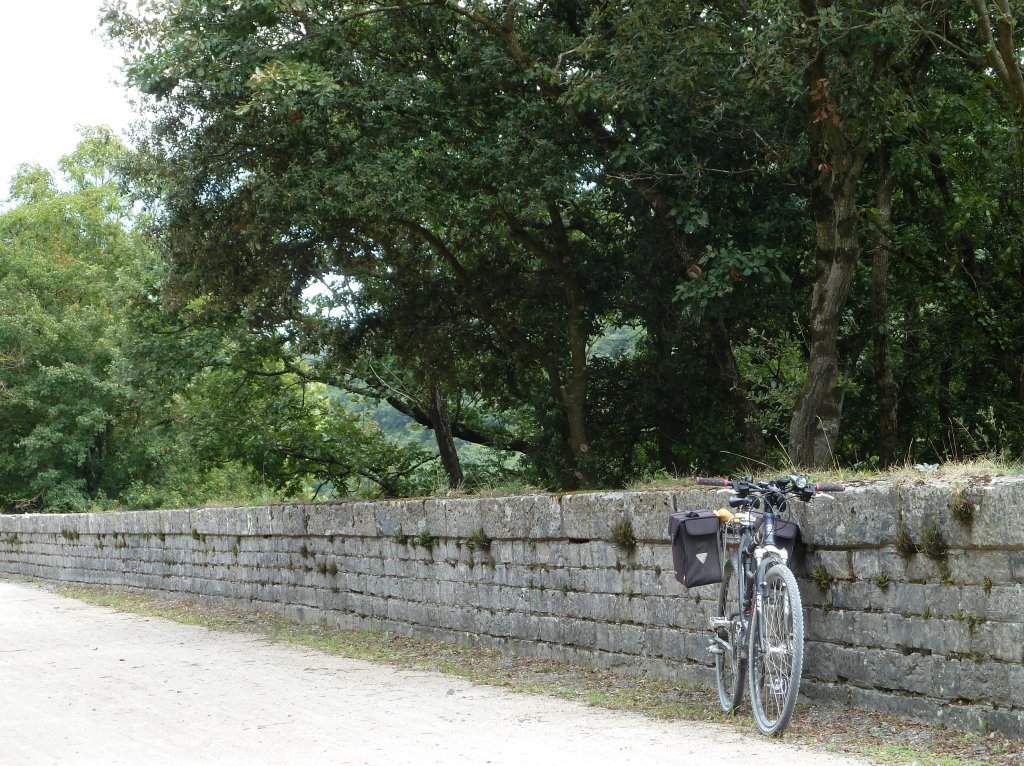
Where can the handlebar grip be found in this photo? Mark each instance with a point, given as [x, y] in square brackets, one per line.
[829, 487]
[713, 482]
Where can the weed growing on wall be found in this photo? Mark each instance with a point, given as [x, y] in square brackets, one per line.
[904, 543]
[960, 508]
[933, 544]
[478, 541]
[623, 535]
[426, 540]
[821, 578]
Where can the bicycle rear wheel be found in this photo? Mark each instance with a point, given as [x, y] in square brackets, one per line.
[776, 651]
[730, 667]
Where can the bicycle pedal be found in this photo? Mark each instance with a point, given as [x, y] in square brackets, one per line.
[718, 646]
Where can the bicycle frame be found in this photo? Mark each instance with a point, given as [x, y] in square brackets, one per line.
[764, 554]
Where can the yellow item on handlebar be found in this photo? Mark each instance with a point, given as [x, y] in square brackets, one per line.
[725, 515]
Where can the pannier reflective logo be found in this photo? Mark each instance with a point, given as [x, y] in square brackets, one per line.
[702, 557]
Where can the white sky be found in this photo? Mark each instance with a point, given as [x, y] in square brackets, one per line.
[56, 72]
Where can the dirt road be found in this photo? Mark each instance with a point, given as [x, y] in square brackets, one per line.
[81, 684]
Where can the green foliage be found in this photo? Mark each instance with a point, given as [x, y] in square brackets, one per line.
[465, 244]
[109, 398]
[581, 237]
[65, 265]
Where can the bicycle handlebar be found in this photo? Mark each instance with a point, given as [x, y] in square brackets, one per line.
[784, 485]
[830, 487]
[714, 482]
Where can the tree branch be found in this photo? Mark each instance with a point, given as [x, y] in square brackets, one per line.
[1001, 55]
[504, 326]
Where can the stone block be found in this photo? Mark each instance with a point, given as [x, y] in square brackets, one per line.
[999, 640]
[398, 516]
[924, 503]
[859, 517]
[1016, 562]
[920, 568]
[973, 567]
[169, 523]
[534, 517]
[434, 518]
[866, 564]
[105, 523]
[1009, 723]
[224, 521]
[993, 525]
[342, 519]
[649, 512]
[697, 498]
[43, 523]
[1005, 603]
[946, 601]
[592, 516]
[908, 598]
[288, 520]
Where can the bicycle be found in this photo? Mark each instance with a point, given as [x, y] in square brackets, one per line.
[759, 625]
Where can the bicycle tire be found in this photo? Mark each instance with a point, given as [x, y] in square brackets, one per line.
[730, 666]
[776, 651]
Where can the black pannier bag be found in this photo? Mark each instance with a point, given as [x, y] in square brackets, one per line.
[787, 533]
[695, 553]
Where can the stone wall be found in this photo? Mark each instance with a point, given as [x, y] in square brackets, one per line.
[914, 593]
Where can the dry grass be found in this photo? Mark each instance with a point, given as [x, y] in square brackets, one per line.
[967, 471]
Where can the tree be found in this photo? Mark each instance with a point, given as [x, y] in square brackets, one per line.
[61, 256]
[496, 190]
[107, 397]
[475, 131]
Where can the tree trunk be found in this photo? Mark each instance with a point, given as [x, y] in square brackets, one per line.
[721, 345]
[815, 425]
[573, 391]
[441, 424]
[814, 429]
[885, 385]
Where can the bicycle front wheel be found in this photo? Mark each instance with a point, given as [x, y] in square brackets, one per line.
[730, 666]
[776, 653]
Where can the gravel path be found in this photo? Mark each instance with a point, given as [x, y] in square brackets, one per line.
[86, 685]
